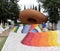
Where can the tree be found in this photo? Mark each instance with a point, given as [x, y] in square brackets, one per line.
[24, 7]
[33, 7]
[40, 0]
[14, 11]
[3, 11]
[52, 7]
[9, 9]
[39, 7]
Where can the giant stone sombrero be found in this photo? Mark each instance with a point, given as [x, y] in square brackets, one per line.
[30, 16]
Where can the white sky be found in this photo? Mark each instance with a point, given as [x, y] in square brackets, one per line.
[28, 3]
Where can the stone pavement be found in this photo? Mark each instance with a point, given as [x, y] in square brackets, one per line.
[13, 43]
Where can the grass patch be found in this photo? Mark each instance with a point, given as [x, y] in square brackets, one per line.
[2, 43]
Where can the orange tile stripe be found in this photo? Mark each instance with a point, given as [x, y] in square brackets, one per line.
[42, 39]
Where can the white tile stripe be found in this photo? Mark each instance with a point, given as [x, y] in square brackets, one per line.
[13, 43]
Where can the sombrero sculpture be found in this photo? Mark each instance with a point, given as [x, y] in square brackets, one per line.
[30, 16]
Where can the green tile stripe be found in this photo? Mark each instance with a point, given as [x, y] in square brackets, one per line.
[16, 29]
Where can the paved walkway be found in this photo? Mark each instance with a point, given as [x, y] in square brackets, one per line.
[13, 43]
